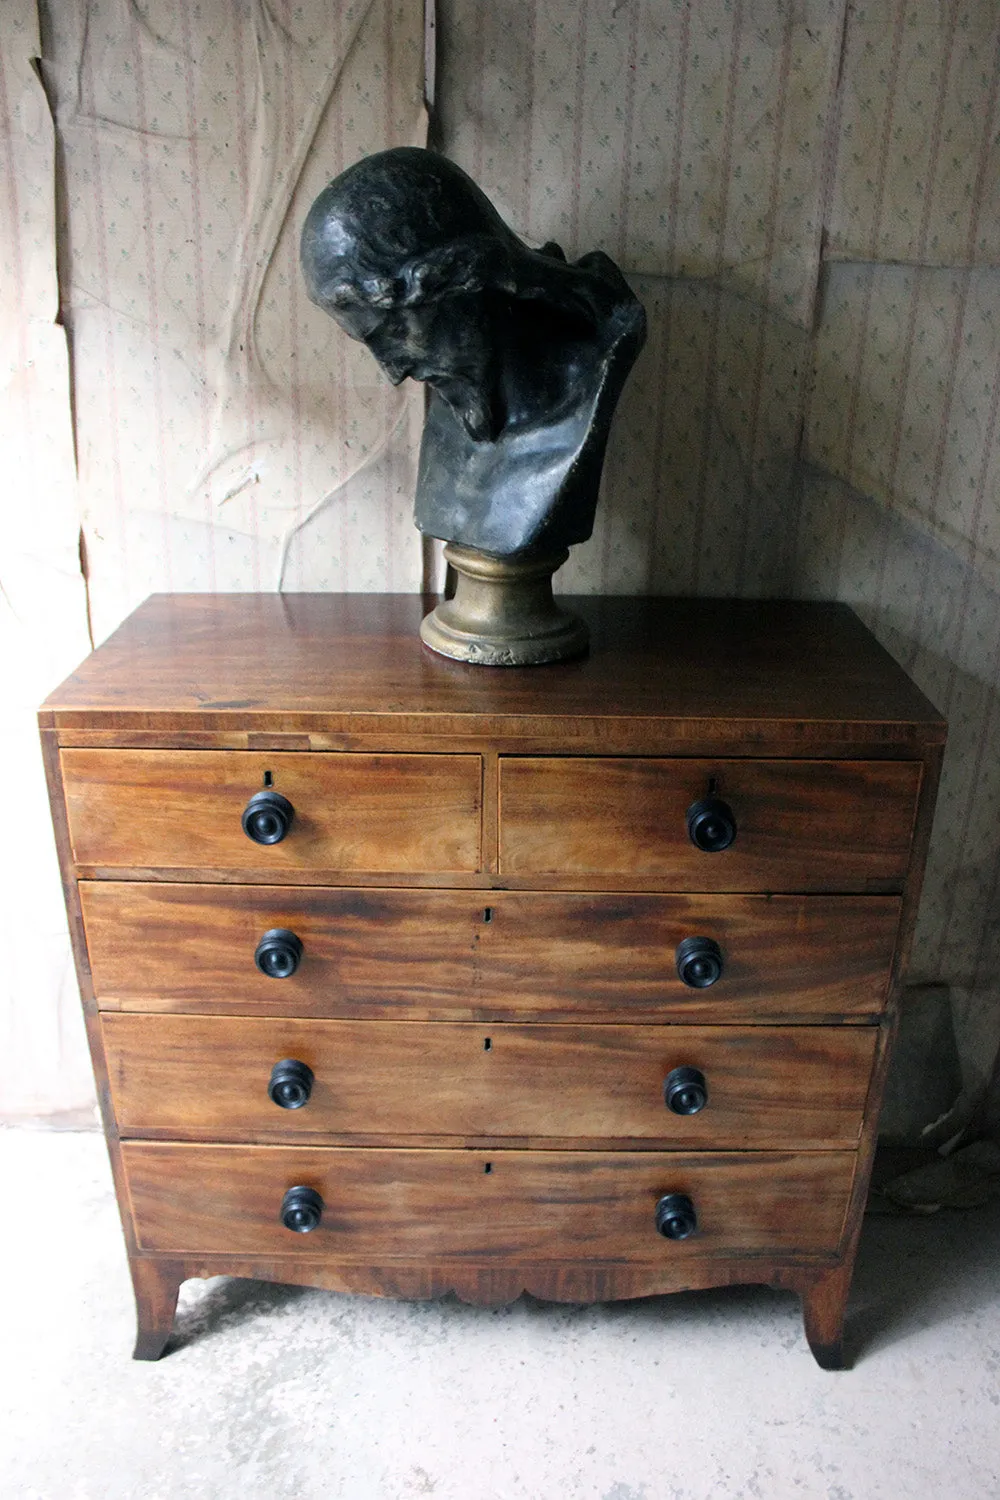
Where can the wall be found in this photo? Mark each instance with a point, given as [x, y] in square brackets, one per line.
[805, 195]
[43, 604]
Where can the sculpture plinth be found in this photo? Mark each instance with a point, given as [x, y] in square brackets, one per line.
[503, 613]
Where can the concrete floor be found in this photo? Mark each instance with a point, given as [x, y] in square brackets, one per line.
[279, 1392]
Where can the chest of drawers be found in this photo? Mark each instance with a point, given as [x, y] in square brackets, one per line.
[406, 977]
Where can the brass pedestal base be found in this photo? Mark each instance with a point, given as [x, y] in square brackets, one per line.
[503, 613]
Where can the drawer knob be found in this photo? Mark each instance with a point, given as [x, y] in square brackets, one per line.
[675, 1217]
[279, 953]
[711, 825]
[685, 1091]
[301, 1209]
[699, 962]
[291, 1083]
[267, 817]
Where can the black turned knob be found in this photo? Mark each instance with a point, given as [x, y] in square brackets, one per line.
[699, 962]
[278, 953]
[675, 1217]
[685, 1091]
[301, 1209]
[711, 825]
[291, 1083]
[267, 817]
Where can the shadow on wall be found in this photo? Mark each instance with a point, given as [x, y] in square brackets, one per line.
[940, 618]
[700, 480]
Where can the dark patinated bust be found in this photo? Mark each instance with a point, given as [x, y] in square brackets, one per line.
[525, 354]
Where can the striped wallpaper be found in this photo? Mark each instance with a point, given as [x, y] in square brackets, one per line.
[805, 194]
[43, 603]
[219, 415]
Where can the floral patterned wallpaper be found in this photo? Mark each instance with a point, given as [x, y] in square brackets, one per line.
[805, 194]
[43, 599]
[219, 416]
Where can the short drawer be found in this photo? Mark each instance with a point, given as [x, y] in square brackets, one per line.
[167, 809]
[208, 1077]
[487, 955]
[502, 1207]
[800, 824]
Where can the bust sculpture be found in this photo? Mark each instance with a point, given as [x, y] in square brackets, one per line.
[525, 356]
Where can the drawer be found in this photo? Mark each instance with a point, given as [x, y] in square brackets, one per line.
[486, 955]
[207, 1077]
[500, 1207]
[801, 825]
[168, 809]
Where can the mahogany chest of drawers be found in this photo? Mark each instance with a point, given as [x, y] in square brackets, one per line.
[404, 977]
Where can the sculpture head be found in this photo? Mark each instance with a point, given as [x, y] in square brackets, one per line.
[403, 250]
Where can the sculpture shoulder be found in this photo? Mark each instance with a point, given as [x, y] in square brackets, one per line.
[626, 314]
[592, 288]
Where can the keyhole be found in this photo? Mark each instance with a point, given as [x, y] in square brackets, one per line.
[488, 1044]
[488, 1167]
[269, 778]
[488, 914]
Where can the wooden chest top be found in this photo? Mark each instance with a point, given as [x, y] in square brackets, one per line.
[338, 670]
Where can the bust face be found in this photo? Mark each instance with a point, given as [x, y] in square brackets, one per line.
[396, 250]
[447, 342]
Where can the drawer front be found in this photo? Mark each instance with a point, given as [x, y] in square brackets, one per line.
[801, 825]
[505, 1207]
[167, 809]
[205, 1076]
[486, 955]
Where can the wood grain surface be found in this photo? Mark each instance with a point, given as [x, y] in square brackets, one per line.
[388, 813]
[801, 824]
[490, 873]
[200, 1077]
[381, 1205]
[739, 670]
[481, 955]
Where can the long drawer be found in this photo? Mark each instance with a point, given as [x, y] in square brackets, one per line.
[499, 1207]
[801, 825]
[208, 1077]
[468, 955]
[182, 810]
